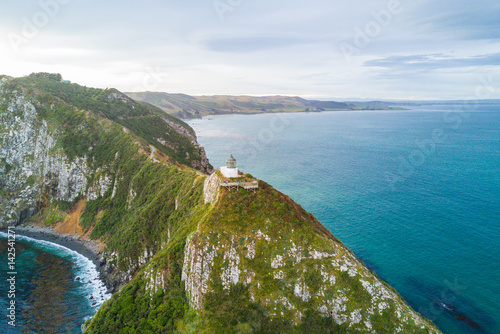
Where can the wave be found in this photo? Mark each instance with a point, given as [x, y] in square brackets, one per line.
[84, 269]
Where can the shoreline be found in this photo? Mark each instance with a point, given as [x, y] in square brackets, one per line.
[285, 112]
[85, 247]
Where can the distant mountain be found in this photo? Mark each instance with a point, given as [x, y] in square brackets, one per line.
[186, 106]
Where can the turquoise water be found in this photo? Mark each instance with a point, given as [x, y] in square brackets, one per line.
[52, 290]
[415, 194]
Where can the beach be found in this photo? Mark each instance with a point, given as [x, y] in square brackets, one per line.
[88, 248]
[60, 280]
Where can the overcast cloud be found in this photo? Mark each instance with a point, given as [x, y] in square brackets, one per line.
[394, 49]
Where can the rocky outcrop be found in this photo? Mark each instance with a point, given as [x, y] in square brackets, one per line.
[33, 170]
[230, 261]
[203, 164]
[211, 188]
[179, 129]
[288, 266]
[198, 263]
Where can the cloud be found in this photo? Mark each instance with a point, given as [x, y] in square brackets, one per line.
[281, 47]
[250, 44]
[456, 19]
[434, 61]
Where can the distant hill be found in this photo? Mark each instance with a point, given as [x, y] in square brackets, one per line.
[186, 106]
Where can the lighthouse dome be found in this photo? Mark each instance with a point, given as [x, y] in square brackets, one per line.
[231, 162]
[230, 169]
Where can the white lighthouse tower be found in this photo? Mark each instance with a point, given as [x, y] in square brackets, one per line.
[231, 169]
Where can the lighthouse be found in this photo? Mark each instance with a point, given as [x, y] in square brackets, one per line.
[231, 169]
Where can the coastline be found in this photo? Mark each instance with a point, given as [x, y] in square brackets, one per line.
[250, 113]
[85, 247]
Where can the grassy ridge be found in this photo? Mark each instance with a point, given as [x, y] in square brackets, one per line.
[143, 119]
[111, 132]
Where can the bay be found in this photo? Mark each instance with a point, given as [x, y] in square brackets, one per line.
[53, 286]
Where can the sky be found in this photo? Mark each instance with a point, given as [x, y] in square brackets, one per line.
[328, 49]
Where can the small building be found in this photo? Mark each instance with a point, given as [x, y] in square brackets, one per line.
[66, 81]
[233, 180]
[231, 169]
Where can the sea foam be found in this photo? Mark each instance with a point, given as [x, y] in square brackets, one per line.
[83, 268]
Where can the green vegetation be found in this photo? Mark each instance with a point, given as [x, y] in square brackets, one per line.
[88, 123]
[54, 215]
[240, 214]
[135, 310]
[77, 108]
[237, 216]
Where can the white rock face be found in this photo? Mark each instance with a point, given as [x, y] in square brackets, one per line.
[211, 188]
[356, 316]
[155, 281]
[302, 291]
[277, 262]
[99, 187]
[231, 275]
[179, 129]
[196, 270]
[35, 164]
[131, 197]
[209, 258]
[250, 250]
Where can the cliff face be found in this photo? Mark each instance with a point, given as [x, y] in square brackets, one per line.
[60, 143]
[32, 169]
[289, 265]
[194, 258]
[35, 167]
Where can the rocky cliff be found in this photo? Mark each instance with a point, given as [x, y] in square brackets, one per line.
[192, 258]
[60, 143]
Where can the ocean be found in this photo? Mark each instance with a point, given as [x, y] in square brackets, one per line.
[415, 194]
[51, 288]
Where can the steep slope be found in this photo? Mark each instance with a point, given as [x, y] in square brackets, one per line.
[58, 145]
[189, 257]
[257, 263]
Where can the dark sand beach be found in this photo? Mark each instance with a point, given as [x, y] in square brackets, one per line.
[87, 248]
